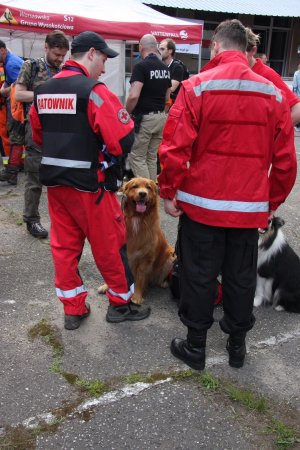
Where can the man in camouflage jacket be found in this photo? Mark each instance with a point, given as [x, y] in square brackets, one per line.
[32, 74]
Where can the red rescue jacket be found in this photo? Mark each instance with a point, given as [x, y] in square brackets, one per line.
[227, 128]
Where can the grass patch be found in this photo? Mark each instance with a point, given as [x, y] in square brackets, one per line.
[55, 367]
[209, 381]
[286, 437]
[49, 334]
[247, 398]
[95, 388]
[183, 374]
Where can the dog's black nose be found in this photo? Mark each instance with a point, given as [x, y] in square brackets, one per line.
[142, 195]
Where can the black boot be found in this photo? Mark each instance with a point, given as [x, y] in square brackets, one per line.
[192, 350]
[9, 174]
[236, 348]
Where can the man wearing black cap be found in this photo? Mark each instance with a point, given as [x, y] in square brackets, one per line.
[85, 131]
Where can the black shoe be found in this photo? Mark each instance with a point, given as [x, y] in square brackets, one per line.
[37, 230]
[130, 311]
[11, 176]
[190, 355]
[236, 348]
[73, 322]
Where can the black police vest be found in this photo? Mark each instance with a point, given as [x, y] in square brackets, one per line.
[70, 150]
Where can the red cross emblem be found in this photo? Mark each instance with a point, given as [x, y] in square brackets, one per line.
[123, 116]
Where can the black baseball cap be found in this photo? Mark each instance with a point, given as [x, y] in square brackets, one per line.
[88, 39]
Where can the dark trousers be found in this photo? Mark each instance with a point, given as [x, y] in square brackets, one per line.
[33, 186]
[204, 253]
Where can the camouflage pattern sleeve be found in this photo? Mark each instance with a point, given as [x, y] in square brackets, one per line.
[36, 69]
[24, 76]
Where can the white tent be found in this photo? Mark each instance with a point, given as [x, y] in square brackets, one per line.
[24, 24]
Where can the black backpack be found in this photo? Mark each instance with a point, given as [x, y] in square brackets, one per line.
[186, 73]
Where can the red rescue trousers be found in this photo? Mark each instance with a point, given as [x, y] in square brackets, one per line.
[75, 216]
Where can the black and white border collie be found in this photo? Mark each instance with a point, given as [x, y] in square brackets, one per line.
[278, 270]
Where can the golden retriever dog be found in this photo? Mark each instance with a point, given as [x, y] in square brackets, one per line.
[150, 256]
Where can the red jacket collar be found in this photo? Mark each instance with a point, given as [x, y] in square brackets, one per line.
[73, 63]
[226, 57]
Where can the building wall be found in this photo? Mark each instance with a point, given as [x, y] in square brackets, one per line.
[280, 36]
[294, 59]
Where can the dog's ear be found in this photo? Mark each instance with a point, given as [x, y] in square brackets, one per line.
[280, 222]
[154, 186]
[126, 187]
[277, 222]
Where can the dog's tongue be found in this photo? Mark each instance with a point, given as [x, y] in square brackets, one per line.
[140, 207]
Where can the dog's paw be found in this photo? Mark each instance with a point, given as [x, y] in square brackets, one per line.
[136, 299]
[258, 301]
[102, 289]
[164, 284]
[279, 308]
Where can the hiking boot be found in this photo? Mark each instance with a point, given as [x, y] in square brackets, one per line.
[236, 348]
[37, 230]
[129, 311]
[191, 354]
[11, 176]
[74, 322]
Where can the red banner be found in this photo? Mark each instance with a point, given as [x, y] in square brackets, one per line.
[34, 21]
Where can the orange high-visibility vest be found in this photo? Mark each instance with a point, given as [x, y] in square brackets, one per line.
[3, 121]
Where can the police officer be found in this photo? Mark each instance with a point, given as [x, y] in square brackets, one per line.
[149, 92]
[84, 129]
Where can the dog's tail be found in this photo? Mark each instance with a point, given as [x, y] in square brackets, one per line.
[290, 302]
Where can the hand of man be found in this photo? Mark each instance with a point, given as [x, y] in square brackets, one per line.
[172, 208]
[271, 215]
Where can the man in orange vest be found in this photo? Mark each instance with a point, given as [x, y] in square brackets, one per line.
[4, 141]
[12, 64]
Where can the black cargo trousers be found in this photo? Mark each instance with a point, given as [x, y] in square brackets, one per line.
[205, 252]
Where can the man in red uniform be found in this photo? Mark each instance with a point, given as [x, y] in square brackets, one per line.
[227, 129]
[84, 131]
[262, 69]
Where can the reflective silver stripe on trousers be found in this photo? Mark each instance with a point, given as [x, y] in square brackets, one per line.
[66, 163]
[125, 296]
[71, 292]
[237, 85]
[223, 205]
[96, 99]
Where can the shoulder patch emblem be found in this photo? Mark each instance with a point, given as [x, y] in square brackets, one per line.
[123, 116]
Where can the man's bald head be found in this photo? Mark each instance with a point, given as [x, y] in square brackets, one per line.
[148, 44]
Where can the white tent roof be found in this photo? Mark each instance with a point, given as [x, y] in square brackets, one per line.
[290, 8]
